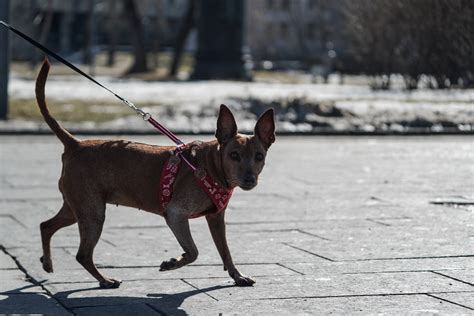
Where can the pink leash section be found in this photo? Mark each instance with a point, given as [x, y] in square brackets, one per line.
[163, 130]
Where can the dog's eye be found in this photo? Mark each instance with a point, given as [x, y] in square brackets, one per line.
[259, 157]
[235, 156]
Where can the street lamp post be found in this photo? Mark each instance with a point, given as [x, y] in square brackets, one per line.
[220, 41]
[4, 59]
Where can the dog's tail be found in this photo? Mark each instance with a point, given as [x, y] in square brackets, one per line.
[64, 136]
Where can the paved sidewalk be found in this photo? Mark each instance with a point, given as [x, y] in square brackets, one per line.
[343, 225]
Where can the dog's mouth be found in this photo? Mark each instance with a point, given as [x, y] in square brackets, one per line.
[247, 187]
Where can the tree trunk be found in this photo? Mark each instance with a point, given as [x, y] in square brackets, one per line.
[112, 33]
[220, 42]
[87, 50]
[186, 25]
[157, 26]
[137, 38]
[46, 22]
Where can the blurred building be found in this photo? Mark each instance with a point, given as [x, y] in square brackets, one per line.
[302, 30]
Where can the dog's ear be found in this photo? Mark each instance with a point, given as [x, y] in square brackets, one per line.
[226, 126]
[265, 128]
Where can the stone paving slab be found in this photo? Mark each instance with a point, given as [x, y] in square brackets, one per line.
[463, 299]
[36, 303]
[18, 295]
[465, 275]
[87, 294]
[339, 285]
[7, 263]
[340, 225]
[387, 305]
[446, 266]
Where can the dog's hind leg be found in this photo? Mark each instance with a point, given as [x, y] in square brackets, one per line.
[63, 218]
[91, 221]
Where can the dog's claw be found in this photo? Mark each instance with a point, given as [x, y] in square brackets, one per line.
[169, 265]
[244, 281]
[47, 265]
[110, 284]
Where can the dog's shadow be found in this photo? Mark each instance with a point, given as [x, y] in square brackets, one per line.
[17, 301]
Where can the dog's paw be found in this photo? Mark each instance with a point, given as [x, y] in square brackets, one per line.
[47, 264]
[242, 280]
[109, 284]
[169, 265]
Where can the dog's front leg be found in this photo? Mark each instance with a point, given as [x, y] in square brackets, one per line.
[180, 227]
[217, 227]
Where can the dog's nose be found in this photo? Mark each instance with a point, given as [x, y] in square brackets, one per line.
[250, 179]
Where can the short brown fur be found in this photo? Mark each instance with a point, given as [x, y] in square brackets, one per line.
[100, 172]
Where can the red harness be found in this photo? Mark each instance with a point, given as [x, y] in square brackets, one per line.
[219, 196]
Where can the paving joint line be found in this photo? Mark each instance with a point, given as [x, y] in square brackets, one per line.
[377, 222]
[102, 266]
[394, 218]
[409, 258]
[27, 200]
[7, 183]
[105, 305]
[200, 291]
[298, 230]
[359, 295]
[160, 312]
[316, 220]
[304, 181]
[32, 280]
[398, 271]
[307, 251]
[13, 218]
[283, 266]
[108, 242]
[301, 231]
[452, 278]
[449, 301]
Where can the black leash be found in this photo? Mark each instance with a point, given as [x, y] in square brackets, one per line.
[146, 116]
[64, 61]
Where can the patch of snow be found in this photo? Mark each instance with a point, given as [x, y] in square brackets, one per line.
[193, 106]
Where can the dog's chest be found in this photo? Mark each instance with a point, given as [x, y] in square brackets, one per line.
[189, 198]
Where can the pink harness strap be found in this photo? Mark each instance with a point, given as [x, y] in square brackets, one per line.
[168, 176]
[219, 196]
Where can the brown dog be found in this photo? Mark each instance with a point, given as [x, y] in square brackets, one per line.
[97, 172]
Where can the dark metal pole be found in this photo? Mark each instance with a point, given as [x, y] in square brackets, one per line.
[220, 41]
[4, 59]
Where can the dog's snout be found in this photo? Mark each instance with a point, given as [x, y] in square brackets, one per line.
[250, 179]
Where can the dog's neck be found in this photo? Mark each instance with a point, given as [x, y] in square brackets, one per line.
[209, 157]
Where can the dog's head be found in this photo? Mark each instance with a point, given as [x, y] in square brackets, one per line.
[244, 156]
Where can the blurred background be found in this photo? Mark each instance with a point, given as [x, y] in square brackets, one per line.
[387, 66]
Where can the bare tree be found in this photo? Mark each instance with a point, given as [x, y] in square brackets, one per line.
[187, 23]
[157, 26]
[414, 38]
[137, 37]
[111, 32]
[45, 19]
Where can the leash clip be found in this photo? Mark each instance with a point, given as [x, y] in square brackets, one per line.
[145, 116]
